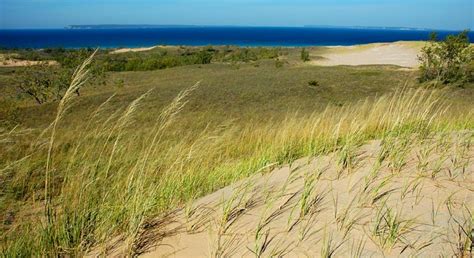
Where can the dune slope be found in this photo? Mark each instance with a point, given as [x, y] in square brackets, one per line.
[402, 196]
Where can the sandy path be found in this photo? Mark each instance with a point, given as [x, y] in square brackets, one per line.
[403, 54]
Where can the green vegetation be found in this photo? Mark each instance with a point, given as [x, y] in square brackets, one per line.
[82, 170]
[313, 83]
[304, 55]
[45, 82]
[448, 61]
[228, 54]
[42, 82]
[155, 59]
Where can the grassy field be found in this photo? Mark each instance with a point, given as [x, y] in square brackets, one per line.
[84, 171]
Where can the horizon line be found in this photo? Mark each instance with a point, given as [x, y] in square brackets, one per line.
[237, 26]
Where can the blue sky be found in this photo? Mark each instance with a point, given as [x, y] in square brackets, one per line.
[438, 14]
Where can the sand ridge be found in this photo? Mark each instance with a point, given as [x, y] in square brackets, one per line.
[404, 54]
[320, 206]
[126, 50]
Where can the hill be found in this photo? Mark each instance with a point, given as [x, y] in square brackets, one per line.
[97, 172]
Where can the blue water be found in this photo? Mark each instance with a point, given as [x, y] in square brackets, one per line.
[198, 36]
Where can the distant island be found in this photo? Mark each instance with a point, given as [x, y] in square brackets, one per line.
[368, 27]
[150, 26]
[125, 26]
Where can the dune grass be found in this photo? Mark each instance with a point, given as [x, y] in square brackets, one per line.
[85, 187]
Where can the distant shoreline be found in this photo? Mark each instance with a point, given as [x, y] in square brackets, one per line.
[146, 48]
[124, 49]
[403, 54]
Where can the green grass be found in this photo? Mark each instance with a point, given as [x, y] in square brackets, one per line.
[248, 95]
[109, 164]
[226, 92]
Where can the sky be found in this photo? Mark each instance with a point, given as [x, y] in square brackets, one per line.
[432, 14]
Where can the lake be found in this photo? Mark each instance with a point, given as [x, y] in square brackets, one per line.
[200, 36]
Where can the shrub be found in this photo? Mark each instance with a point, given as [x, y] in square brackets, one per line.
[304, 55]
[248, 54]
[42, 82]
[313, 83]
[279, 63]
[447, 61]
[204, 57]
[45, 82]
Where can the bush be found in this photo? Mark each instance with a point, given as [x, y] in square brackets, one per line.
[304, 55]
[203, 57]
[247, 54]
[447, 61]
[313, 83]
[279, 63]
[43, 82]
[146, 61]
[156, 61]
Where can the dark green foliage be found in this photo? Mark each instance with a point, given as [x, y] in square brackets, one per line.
[157, 59]
[313, 83]
[247, 54]
[46, 82]
[447, 61]
[304, 55]
[204, 57]
[154, 61]
[42, 82]
[163, 59]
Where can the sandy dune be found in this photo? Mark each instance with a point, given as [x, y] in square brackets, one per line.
[142, 49]
[317, 207]
[403, 54]
[125, 50]
[11, 62]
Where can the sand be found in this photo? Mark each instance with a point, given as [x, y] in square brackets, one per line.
[12, 62]
[126, 50]
[404, 54]
[142, 49]
[426, 214]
